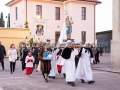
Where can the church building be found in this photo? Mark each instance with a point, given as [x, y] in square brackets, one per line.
[46, 17]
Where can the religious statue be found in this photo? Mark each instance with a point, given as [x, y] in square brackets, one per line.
[66, 28]
[69, 23]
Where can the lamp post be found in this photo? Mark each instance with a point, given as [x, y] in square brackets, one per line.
[26, 10]
[38, 17]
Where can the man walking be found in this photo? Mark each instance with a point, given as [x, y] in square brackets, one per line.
[2, 54]
[68, 61]
[84, 71]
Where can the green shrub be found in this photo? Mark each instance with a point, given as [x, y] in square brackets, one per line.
[101, 49]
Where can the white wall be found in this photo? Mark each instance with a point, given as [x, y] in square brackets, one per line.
[48, 12]
[21, 11]
[79, 25]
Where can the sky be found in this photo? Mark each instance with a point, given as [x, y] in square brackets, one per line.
[103, 14]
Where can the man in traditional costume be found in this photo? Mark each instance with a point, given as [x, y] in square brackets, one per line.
[68, 62]
[84, 71]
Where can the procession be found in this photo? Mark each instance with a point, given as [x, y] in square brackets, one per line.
[67, 58]
[72, 61]
[64, 57]
[59, 45]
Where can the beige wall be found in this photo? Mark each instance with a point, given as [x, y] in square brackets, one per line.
[10, 36]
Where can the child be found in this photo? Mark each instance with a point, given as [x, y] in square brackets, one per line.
[59, 61]
[29, 63]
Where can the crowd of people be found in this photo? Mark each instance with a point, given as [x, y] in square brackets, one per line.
[73, 62]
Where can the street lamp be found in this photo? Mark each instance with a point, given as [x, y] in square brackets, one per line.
[38, 17]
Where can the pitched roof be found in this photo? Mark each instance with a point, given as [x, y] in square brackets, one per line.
[96, 1]
[10, 2]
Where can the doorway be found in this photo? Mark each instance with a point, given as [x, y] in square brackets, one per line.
[57, 35]
[83, 37]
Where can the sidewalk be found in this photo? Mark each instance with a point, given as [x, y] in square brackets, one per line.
[105, 65]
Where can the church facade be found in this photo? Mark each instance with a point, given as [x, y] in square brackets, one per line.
[51, 13]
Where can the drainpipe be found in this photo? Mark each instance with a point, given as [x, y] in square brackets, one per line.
[95, 23]
[26, 10]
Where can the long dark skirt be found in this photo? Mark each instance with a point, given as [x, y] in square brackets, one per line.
[45, 66]
[36, 59]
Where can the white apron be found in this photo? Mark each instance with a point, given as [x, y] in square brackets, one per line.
[84, 68]
[69, 67]
[53, 70]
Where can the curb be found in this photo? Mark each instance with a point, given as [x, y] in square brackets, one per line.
[107, 71]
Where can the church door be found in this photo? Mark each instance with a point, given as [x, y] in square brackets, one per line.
[57, 35]
[83, 36]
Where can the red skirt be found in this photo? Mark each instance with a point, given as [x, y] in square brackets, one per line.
[59, 67]
[29, 70]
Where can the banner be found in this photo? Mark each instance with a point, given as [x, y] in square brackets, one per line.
[39, 30]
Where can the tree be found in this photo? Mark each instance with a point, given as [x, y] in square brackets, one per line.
[2, 22]
[8, 22]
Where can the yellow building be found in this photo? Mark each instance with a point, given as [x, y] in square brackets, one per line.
[10, 36]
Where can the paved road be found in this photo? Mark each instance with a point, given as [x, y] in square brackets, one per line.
[18, 81]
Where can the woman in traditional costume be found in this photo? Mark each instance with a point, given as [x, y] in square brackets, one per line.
[45, 64]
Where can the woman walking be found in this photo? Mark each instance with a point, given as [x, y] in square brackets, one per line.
[45, 64]
[12, 53]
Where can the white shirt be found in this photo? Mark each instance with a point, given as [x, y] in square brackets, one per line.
[12, 53]
[29, 64]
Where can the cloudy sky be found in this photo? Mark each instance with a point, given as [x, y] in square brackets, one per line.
[103, 14]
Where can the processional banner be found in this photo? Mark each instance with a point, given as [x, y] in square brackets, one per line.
[39, 30]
